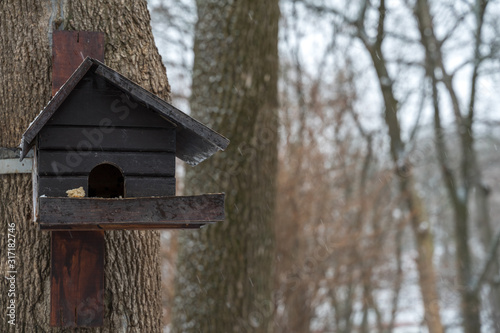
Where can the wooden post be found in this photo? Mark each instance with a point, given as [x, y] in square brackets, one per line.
[77, 257]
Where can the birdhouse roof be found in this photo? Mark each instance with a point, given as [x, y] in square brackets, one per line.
[195, 142]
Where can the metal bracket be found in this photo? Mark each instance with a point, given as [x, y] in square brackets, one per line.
[10, 163]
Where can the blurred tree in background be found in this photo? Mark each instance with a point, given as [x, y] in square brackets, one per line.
[224, 279]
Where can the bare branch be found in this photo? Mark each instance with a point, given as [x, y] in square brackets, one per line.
[407, 63]
[401, 37]
[420, 110]
[361, 16]
[433, 54]
[442, 152]
[380, 27]
[398, 278]
[460, 67]
[476, 285]
[480, 10]
[361, 129]
[453, 29]
[330, 10]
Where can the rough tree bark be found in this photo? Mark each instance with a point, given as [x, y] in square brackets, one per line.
[224, 278]
[132, 297]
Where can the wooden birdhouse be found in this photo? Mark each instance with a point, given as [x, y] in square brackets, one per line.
[106, 134]
[111, 145]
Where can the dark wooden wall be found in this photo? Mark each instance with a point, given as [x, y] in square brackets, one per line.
[98, 123]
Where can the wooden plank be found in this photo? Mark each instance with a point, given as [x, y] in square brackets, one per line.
[133, 213]
[35, 185]
[69, 49]
[94, 101]
[149, 186]
[77, 279]
[192, 148]
[62, 163]
[120, 226]
[54, 186]
[107, 138]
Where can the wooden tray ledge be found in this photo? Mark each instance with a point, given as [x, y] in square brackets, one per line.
[143, 213]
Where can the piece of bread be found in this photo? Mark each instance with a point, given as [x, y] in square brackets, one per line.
[76, 192]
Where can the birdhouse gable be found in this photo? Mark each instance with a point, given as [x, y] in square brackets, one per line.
[97, 108]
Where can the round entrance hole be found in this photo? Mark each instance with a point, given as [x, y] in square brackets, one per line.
[106, 181]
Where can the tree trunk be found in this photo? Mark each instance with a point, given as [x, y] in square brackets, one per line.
[425, 249]
[132, 275]
[418, 215]
[458, 186]
[224, 278]
[486, 235]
